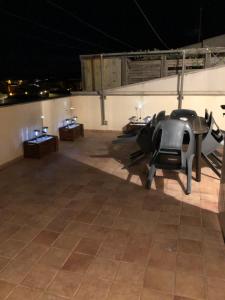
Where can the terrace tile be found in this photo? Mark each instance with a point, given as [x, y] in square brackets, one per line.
[81, 227]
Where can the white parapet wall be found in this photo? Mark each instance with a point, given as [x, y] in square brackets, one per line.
[118, 109]
[88, 110]
[17, 123]
[202, 89]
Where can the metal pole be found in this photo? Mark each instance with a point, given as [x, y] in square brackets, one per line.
[102, 96]
[200, 39]
[181, 92]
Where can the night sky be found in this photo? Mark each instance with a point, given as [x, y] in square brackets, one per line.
[45, 38]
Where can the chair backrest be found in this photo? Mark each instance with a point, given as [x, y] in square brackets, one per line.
[153, 121]
[178, 113]
[144, 139]
[210, 120]
[161, 115]
[213, 137]
[206, 115]
[169, 134]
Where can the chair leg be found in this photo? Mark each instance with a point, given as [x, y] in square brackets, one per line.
[151, 175]
[189, 175]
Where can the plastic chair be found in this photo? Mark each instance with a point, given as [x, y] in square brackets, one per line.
[161, 116]
[144, 138]
[178, 113]
[212, 141]
[207, 115]
[213, 138]
[169, 153]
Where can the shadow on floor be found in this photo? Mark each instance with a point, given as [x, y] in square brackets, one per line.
[75, 211]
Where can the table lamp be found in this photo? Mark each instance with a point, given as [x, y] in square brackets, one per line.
[36, 133]
[140, 106]
[74, 119]
[45, 130]
[68, 121]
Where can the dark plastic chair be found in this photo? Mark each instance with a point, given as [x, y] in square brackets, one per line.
[169, 153]
[211, 143]
[207, 115]
[161, 115]
[214, 137]
[178, 113]
[144, 138]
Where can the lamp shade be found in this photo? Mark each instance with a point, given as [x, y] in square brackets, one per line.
[36, 132]
[45, 130]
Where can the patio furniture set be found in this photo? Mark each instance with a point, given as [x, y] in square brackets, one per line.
[174, 140]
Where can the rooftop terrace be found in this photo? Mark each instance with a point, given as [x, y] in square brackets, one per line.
[81, 227]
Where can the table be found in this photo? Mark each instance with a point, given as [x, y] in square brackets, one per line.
[38, 147]
[199, 127]
[71, 132]
[132, 127]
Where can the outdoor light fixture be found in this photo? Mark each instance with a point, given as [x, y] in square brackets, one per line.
[68, 121]
[74, 119]
[36, 133]
[139, 108]
[44, 130]
[140, 105]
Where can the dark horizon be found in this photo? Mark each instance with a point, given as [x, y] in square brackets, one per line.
[45, 38]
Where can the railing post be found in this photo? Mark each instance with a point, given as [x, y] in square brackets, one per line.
[102, 96]
[181, 83]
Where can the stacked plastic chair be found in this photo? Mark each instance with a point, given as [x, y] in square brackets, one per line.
[211, 143]
[144, 138]
[177, 113]
[169, 153]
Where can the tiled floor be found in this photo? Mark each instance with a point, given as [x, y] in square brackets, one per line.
[75, 225]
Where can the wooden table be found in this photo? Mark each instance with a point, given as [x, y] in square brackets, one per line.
[133, 127]
[38, 147]
[71, 132]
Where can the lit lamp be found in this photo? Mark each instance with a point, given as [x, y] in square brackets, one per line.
[45, 130]
[42, 120]
[68, 122]
[140, 105]
[36, 133]
[74, 118]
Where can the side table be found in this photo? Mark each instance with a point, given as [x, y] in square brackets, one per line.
[71, 132]
[38, 147]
